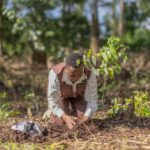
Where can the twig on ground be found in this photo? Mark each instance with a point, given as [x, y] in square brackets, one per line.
[89, 130]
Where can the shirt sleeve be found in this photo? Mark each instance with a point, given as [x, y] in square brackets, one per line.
[91, 96]
[54, 94]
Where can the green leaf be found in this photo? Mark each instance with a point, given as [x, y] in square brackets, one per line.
[78, 62]
[111, 73]
[93, 60]
[89, 53]
[49, 34]
[105, 57]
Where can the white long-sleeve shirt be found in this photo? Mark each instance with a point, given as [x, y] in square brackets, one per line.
[54, 93]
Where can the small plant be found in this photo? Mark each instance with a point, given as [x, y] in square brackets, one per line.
[4, 114]
[4, 107]
[106, 62]
[54, 146]
[16, 146]
[138, 105]
[3, 95]
[142, 104]
[29, 95]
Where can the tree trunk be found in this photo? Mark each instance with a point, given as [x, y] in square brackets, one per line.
[39, 57]
[121, 19]
[114, 18]
[1, 23]
[94, 41]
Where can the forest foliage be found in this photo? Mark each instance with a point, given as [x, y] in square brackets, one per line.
[58, 25]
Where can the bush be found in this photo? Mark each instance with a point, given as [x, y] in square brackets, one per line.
[140, 39]
[5, 111]
[106, 63]
[136, 106]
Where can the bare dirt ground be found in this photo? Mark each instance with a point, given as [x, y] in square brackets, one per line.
[102, 133]
[25, 86]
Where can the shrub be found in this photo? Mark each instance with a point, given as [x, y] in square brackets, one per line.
[5, 111]
[138, 105]
[106, 63]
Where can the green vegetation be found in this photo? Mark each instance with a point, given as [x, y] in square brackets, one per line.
[15, 146]
[106, 63]
[109, 58]
[56, 27]
[5, 111]
[36, 32]
[138, 105]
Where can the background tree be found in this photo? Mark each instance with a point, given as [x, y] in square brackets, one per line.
[1, 3]
[53, 27]
[121, 18]
[114, 18]
[94, 38]
[38, 28]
